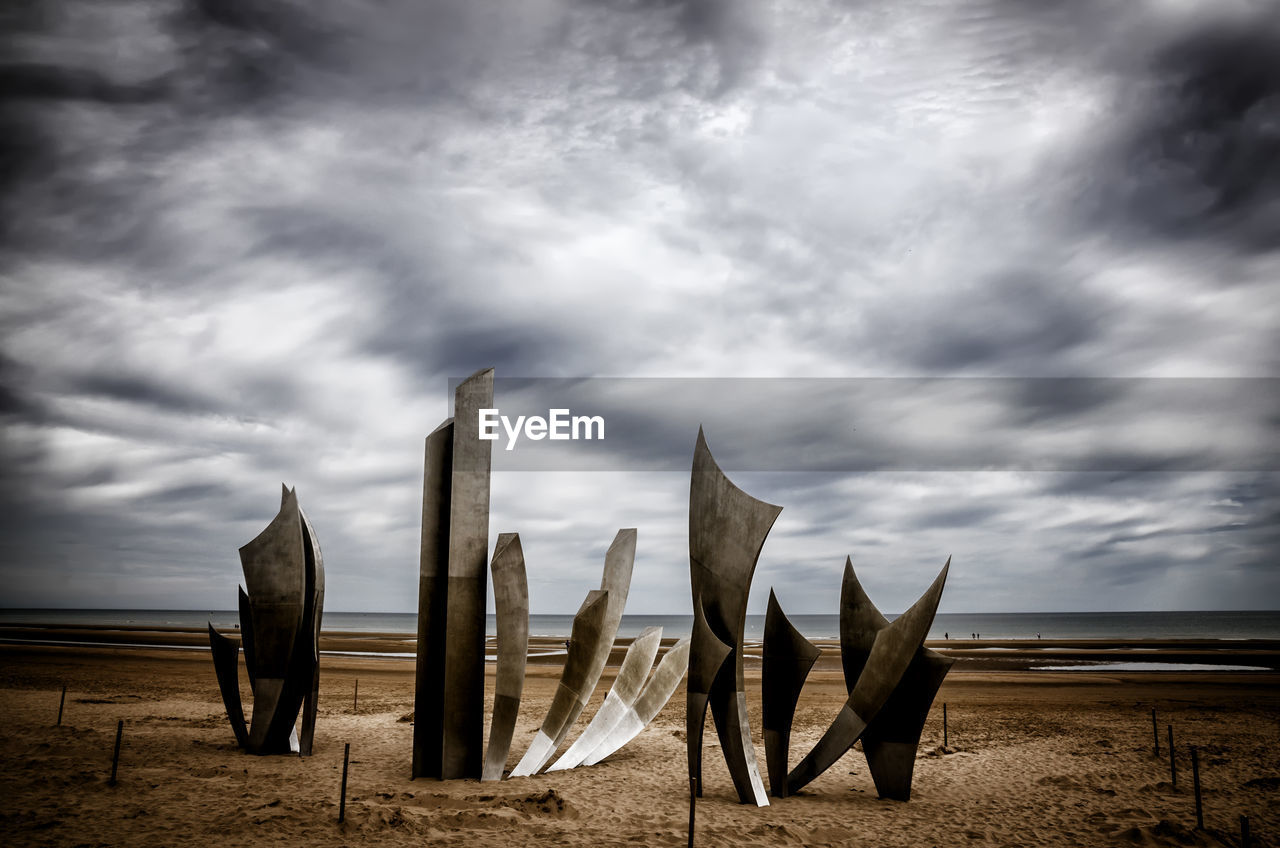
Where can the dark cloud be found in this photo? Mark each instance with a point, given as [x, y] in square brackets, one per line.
[15, 397]
[1202, 158]
[959, 516]
[205, 493]
[1061, 400]
[246, 54]
[1031, 318]
[143, 389]
[423, 322]
[725, 26]
[49, 82]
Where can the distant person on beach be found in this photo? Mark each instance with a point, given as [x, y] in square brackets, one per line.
[946, 635]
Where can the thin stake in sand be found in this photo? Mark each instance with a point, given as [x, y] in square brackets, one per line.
[355, 696]
[1155, 731]
[944, 724]
[62, 702]
[1173, 765]
[1244, 832]
[115, 757]
[1195, 783]
[342, 802]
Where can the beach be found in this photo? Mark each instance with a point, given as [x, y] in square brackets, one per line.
[1033, 758]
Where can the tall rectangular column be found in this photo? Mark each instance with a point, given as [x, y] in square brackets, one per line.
[468, 556]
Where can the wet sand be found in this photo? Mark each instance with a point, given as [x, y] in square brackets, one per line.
[1034, 758]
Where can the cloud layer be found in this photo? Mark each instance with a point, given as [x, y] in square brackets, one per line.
[247, 241]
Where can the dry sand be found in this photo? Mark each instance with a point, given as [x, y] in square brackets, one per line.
[1035, 759]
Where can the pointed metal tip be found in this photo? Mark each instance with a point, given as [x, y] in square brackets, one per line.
[477, 375]
[504, 542]
[594, 596]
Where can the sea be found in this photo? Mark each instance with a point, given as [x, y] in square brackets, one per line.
[958, 625]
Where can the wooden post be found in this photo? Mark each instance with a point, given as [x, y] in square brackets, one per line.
[342, 803]
[1155, 731]
[1173, 765]
[693, 800]
[355, 696]
[944, 724]
[61, 703]
[1195, 783]
[115, 757]
[1244, 832]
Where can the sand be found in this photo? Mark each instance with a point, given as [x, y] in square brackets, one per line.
[1034, 759]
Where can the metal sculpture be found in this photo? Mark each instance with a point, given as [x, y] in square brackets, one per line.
[891, 739]
[433, 565]
[662, 684]
[707, 654]
[893, 647]
[588, 652]
[280, 615]
[588, 625]
[452, 588]
[311, 628]
[727, 529]
[788, 657]
[632, 674]
[226, 654]
[511, 601]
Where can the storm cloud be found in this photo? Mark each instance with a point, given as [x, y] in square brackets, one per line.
[1034, 246]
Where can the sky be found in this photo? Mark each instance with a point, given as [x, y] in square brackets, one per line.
[985, 279]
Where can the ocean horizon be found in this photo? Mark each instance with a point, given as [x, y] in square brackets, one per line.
[1170, 624]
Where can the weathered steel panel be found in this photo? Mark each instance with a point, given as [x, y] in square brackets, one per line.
[226, 654]
[631, 676]
[891, 653]
[433, 568]
[727, 529]
[788, 657]
[588, 625]
[511, 604]
[661, 686]
[462, 754]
